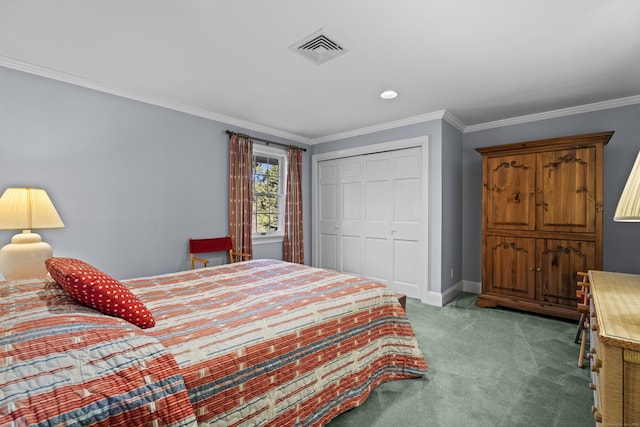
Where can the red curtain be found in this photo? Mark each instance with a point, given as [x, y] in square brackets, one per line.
[293, 236]
[240, 192]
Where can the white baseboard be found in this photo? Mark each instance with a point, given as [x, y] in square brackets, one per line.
[472, 287]
[441, 299]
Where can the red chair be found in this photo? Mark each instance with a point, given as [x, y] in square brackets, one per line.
[200, 246]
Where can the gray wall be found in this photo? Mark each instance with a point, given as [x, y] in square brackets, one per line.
[621, 240]
[131, 181]
[451, 206]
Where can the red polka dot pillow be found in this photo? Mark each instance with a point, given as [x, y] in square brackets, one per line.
[96, 289]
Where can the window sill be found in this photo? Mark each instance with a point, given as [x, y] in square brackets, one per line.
[267, 239]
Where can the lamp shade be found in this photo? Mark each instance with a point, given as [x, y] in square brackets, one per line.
[27, 209]
[628, 209]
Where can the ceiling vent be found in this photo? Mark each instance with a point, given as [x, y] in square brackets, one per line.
[318, 48]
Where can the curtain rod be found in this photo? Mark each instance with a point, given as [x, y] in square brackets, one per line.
[266, 141]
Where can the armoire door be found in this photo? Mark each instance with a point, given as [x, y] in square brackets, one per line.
[510, 184]
[558, 262]
[566, 185]
[510, 266]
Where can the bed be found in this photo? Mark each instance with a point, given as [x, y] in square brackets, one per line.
[261, 342]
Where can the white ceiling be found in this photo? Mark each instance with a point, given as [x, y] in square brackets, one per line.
[480, 61]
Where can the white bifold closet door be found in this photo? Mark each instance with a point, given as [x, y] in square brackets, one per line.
[371, 217]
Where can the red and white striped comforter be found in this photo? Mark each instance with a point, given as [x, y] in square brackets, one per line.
[266, 342]
[261, 342]
[63, 364]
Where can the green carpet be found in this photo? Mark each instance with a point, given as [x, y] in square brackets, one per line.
[487, 367]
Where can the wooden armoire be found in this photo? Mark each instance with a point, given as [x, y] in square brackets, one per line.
[542, 204]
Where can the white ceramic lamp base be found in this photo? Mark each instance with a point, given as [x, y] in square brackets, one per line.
[24, 257]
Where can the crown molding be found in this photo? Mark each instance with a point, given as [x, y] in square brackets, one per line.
[454, 121]
[231, 121]
[164, 103]
[381, 127]
[580, 109]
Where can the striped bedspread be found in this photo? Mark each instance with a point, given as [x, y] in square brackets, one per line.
[257, 343]
[62, 364]
[266, 342]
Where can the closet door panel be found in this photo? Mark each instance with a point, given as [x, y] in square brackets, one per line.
[329, 252]
[377, 261]
[406, 222]
[328, 221]
[376, 166]
[371, 218]
[377, 211]
[351, 255]
[376, 202]
[407, 267]
[376, 217]
[351, 211]
[406, 216]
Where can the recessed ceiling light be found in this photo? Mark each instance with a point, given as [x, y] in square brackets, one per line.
[388, 94]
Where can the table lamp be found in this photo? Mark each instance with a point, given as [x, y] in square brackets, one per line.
[628, 209]
[26, 209]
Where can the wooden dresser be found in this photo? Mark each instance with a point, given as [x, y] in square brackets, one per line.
[542, 221]
[615, 348]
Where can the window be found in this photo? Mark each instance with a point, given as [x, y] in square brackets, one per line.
[269, 168]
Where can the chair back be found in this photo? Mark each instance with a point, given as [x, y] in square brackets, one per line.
[198, 246]
[217, 244]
